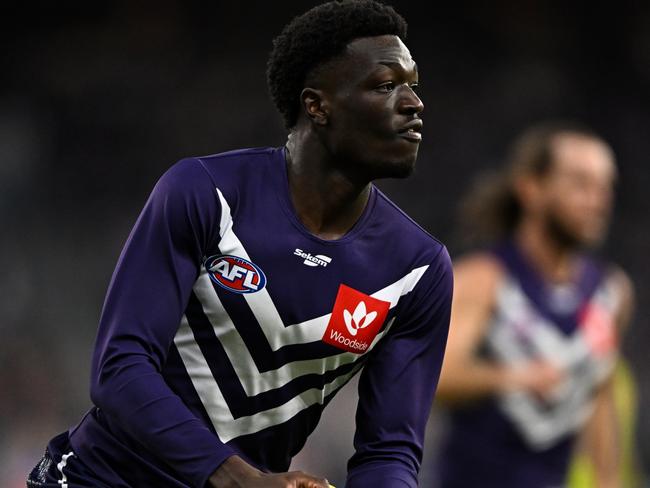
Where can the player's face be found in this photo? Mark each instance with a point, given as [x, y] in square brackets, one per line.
[373, 122]
[578, 190]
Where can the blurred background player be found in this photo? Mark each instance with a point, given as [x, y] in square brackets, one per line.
[536, 320]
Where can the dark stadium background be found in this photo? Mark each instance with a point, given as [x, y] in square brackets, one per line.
[98, 99]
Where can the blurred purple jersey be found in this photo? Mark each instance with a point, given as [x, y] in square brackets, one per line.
[228, 327]
[518, 439]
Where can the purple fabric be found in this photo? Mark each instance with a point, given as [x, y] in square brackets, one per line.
[538, 290]
[149, 427]
[481, 446]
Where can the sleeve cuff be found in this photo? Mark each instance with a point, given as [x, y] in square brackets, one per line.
[218, 461]
[381, 476]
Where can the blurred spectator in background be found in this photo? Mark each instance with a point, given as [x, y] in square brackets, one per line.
[536, 320]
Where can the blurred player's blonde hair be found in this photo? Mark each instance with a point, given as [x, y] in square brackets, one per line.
[491, 211]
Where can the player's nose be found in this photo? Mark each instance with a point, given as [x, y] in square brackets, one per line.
[409, 102]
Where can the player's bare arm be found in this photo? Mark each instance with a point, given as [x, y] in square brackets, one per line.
[601, 438]
[466, 376]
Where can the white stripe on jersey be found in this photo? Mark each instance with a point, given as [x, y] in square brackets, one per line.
[519, 333]
[253, 381]
[277, 334]
[215, 404]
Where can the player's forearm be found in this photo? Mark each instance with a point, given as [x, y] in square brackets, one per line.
[602, 441]
[608, 481]
[381, 475]
[607, 470]
[234, 472]
[397, 386]
[606, 462]
[136, 398]
[148, 294]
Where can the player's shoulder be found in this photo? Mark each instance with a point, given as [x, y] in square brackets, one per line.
[621, 283]
[228, 161]
[478, 277]
[238, 156]
[619, 278]
[237, 163]
[183, 177]
[220, 170]
[482, 268]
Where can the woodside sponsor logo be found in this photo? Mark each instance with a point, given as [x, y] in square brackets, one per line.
[355, 321]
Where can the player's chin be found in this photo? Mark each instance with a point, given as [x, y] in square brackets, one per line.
[404, 170]
[584, 239]
[400, 164]
[391, 160]
[404, 167]
[394, 168]
[591, 233]
[593, 238]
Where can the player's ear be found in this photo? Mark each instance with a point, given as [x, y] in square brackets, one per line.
[528, 190]
[315, 105]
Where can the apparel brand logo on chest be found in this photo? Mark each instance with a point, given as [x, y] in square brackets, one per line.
[356, 319]
[309, 260]
[235, 274]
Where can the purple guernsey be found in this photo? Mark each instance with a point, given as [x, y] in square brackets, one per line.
[518, 439]
[228, 327]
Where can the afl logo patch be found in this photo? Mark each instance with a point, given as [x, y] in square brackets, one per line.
[235, 274]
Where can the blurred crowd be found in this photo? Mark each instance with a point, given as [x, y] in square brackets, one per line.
[97, 100]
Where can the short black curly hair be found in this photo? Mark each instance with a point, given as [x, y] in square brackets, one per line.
[316, 37]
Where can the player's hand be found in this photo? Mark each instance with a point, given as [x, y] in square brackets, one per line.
[537, 377]
[237, 473]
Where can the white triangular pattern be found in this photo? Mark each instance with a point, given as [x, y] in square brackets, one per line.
[225, 424]
[278, 335]
[542, 423]
[261, 304]
[253, 381]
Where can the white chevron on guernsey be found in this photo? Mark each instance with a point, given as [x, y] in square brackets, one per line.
[253, 381]
[261, 304]
[278, 335]
[215, 404]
